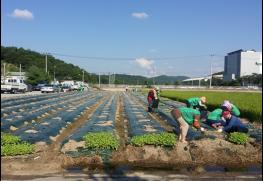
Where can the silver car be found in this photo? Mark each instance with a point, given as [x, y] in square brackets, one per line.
[49, 89]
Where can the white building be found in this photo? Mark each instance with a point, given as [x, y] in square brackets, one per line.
[241, 63]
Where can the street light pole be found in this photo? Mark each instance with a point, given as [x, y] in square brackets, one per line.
[211, 71]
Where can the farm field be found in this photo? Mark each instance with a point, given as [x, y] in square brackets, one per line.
[57, 125]
[249, 103]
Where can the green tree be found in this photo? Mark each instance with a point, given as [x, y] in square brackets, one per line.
[177, 82]
[36, 75]
[8, 68]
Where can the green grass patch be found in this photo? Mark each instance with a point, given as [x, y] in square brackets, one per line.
[249, 103]
[237, 138]
[7, 139]
[162, 139]
[101, 140]
[17, 149]
[13, 145]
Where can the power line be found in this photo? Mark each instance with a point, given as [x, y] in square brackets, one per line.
[132, 58]
[94, 58]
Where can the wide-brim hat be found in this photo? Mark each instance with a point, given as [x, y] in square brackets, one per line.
[203, 99]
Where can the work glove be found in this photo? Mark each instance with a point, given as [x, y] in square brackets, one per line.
[196, 124]
[220, 130]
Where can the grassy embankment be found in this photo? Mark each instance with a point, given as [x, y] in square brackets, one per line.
[249, 103]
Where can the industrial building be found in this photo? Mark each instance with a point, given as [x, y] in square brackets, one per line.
[241, 63]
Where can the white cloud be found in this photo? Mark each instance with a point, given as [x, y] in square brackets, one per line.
[144, 63]
[141, 15]
[152, 50]
[22, 14]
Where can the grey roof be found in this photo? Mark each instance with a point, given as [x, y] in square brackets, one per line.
[17, 73]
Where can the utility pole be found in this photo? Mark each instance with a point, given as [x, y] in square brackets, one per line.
[99, 79]
[54, 74]
[109, 79]
[211, 73]
[4, 72]
[114, 79]
[20, 72]
[83, 77]
[46, 62]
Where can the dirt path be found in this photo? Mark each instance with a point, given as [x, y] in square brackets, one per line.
[166, 126]
[121, 127]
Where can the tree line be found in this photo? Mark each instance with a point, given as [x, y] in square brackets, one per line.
[34, 64]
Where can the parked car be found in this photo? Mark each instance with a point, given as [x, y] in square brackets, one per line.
[66, 88]
[29, 88]
[49, 89]
[38, 87]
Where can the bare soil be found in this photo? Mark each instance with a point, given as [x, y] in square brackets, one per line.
[196, 154]
[50, 159]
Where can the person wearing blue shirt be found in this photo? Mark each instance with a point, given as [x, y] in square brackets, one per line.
[233, 123]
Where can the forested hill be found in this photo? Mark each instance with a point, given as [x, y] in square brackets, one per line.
[33, 63]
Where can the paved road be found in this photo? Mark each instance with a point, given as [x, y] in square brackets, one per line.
[7, 95]
[139, 175]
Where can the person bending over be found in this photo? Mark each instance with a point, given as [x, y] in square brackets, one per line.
[185, 117]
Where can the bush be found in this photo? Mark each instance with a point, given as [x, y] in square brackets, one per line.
[12, 145]
[162, 139]
[16, 149]
[101, 140]
[238, 138]
[9, 139]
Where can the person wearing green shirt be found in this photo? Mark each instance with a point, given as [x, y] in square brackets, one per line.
[185, 117]
[81, 88]
[214, 119]
[227, 106]
[196, 102]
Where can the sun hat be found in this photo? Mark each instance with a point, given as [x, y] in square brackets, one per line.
[203, 99]
[157, 88]
[226, 104]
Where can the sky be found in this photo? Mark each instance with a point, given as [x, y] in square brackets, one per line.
[136, 37]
